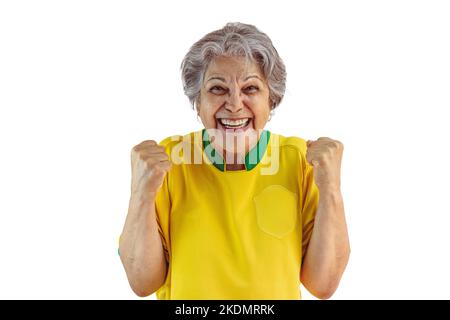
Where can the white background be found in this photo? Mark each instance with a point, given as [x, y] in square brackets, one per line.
[82, 82]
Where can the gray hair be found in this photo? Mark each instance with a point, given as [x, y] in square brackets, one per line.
[234, 39]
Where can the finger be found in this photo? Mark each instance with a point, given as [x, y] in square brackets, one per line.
[311, 160]
[165, 165]
[155, 157]
[150, 150]
[312, 156]
[155, 149]
[158, 173]
[143, 145]
[160, 169]
[146, 143]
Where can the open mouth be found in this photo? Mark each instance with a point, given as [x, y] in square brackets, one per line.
[227, 123]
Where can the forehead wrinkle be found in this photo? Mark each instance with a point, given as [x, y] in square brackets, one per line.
[241, 70]
[222, 79]
[216, 78]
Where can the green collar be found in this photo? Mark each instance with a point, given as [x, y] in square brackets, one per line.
[252, 158]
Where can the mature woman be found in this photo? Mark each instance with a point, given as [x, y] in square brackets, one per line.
[233, 211]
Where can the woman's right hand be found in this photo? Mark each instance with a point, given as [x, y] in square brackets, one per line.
[141, 247]
[149, 166]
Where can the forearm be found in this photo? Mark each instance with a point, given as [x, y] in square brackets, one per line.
[141, 249]
[329, 248]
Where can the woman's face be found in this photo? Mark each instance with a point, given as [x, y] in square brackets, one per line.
[234, 100]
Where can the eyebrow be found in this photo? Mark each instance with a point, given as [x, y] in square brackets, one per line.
[252, 76]
[223, 79]
[216, 78]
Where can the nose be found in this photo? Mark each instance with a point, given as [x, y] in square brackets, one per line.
[234, 102]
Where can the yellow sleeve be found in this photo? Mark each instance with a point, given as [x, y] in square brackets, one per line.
[162, 208]
[163, 203]
[310, 202]
[309, 196]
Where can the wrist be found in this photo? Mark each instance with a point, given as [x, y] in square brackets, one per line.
[330, 188]
[144, 196]
[330, 193]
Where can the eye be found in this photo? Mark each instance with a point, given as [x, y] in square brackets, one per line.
[217, 90]
[251, 89]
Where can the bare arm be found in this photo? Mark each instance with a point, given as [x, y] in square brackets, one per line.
[141, 249]
[329, 248]
[328, 251]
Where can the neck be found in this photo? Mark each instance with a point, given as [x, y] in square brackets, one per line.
[234, 165]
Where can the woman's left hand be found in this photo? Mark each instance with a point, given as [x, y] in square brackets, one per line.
[325, 155]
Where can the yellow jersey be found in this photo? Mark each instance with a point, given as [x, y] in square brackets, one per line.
[235, 234]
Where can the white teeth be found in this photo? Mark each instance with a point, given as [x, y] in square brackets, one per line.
[234, 123]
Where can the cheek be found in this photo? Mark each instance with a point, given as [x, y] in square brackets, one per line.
[208, 108]
[207, 117]
[261, 120]
[261, 111]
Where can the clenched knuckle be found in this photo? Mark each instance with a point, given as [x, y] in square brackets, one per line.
[135, 149]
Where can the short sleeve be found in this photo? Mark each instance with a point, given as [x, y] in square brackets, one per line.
[163, 207]
[310, 201]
